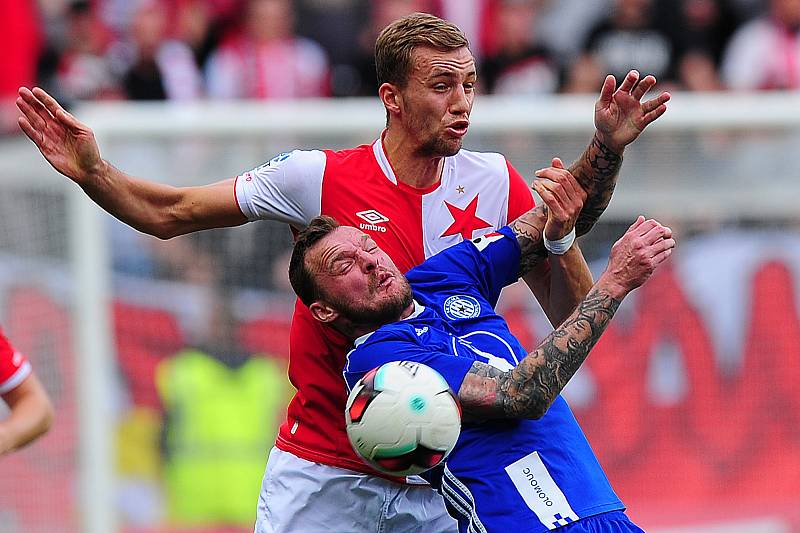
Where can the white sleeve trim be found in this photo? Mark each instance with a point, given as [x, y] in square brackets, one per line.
[16, 378]
[287, 188]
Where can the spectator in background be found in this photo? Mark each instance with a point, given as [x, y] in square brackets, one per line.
[267, 59]
[764, 54]
[627, 39]
[221, 412]
[78, 68]
[158, 67]
[31, 411]
[201, 24]
[335, 25]
[518, 65]
[699, 30]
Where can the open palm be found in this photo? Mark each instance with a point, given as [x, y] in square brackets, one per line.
[620, 116]
[67, 144]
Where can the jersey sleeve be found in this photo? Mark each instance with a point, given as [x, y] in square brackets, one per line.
[287, 188]
[520, 195]
[14, 367]
[398, 347]
[487, 264]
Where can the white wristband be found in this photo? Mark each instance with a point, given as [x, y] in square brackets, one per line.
[560, 246]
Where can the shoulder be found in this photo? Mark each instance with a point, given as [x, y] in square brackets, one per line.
[292, 161]
[363, 152]
[490, 160]
[480, 165]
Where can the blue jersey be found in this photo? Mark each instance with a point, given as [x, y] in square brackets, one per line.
[502, 474]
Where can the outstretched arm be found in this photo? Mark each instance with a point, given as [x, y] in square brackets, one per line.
[31, 415]
[160, 210]
[561, 282]
[528, 390]
[620, 116]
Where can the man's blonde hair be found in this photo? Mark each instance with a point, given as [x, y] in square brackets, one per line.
[397, 40]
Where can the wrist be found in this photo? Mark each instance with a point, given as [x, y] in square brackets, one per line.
[609, 285]
[560, 246]
[97, 176]
[606, 140]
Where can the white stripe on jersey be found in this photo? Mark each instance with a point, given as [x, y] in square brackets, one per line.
[453, 486]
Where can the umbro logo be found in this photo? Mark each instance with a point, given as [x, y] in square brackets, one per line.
[372, 218]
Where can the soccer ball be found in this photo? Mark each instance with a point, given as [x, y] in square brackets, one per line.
[402, 418]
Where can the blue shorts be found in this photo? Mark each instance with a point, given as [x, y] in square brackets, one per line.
[611, 522]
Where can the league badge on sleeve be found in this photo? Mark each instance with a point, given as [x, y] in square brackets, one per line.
[461, 307]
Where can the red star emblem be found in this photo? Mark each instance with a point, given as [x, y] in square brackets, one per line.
[464, 220]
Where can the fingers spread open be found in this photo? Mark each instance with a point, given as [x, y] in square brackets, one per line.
[607, 91]
[643, 86]
[629, 82]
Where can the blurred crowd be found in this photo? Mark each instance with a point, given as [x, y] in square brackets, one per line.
[264, 49]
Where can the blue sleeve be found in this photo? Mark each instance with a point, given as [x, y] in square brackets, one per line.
[371, 355]
[488, 263]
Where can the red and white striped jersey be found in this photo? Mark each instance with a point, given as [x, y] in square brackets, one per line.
[14, 367]
[477, 193]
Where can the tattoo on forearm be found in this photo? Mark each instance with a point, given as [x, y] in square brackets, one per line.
[596, 171]
[528, 390]
[529, 229]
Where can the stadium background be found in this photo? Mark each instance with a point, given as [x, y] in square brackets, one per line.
[688, 400]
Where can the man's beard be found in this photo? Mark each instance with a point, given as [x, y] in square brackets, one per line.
[438, 147]
[387, 312]
[435, 145]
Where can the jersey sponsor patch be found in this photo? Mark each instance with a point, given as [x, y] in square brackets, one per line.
[461, 306]
[540, 491]
[482, 242]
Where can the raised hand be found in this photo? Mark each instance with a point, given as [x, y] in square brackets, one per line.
[635, 256]
[562, 195]
[67, 144]
[620, 116]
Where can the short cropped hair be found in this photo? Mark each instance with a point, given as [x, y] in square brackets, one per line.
[301, 278]
[397, 40]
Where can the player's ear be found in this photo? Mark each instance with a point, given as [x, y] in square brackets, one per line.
[323, 312]
[391, 97]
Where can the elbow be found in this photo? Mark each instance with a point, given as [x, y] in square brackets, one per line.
[164, 228]
[47, 416]
[162, 232]
[536, 408]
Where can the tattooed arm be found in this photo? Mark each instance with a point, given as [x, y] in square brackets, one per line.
[596, 170]
[620, 117]
[528, 390]
[560, 283]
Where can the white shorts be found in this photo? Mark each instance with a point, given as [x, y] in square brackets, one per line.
[306, 497]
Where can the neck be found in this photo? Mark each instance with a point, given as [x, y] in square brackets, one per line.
[409, 166]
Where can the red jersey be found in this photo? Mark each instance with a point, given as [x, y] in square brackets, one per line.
[477, 193]
[14, 368]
